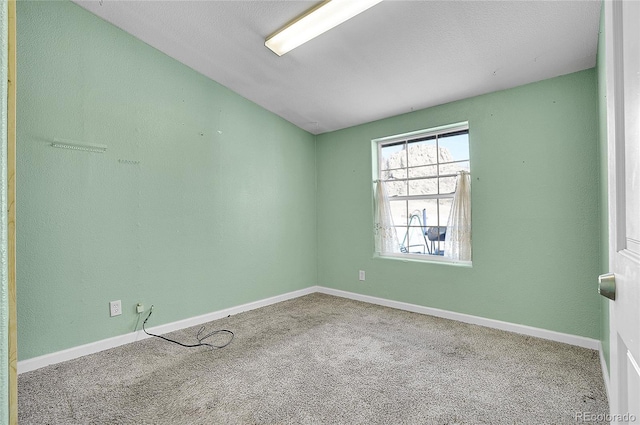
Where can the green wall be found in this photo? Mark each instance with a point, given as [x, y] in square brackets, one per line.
[219, 211]
[603, 156]
[535, 207]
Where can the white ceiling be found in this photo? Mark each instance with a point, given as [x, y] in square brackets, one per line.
[397, 57]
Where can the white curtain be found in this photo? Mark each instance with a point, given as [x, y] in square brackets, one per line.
[386, 238]
[457, 243]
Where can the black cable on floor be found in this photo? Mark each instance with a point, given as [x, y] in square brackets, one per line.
[200, 339]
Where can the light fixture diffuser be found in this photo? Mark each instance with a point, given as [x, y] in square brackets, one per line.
[315, 21]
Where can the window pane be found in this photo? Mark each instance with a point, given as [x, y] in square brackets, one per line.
[444, 210]
[425, 212]
[422, 152]
[455, 167]
[428, 171]
[415, 242]
[436, 237]
[456, 147]
[397, 174]
[436, 234]
[393, 156]
[410, 240]
[412, 237]
[399, 213]
[423, 187]
[418, 210]
[447, 184]
[395, 188]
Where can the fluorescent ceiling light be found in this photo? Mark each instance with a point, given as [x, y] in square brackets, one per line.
[315, 21]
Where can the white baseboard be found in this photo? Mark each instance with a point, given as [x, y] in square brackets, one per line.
[105, 344]
[579, 341]
[605, 371]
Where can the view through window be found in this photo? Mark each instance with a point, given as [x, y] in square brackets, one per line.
[419, 174]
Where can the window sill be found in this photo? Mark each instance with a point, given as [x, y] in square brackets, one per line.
[422, 258]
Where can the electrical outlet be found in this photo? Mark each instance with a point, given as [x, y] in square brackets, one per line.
[361, 275]
[115, 307]
[139, 308]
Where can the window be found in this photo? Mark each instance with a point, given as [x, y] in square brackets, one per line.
[419, 172]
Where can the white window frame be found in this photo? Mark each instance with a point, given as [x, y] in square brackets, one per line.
[408, 137]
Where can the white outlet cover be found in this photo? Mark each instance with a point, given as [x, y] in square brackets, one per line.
[115, 307]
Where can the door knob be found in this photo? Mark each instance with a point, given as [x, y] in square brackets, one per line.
[607, 285]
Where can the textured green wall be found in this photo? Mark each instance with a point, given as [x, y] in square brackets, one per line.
[604, 212]
[219, 211]
[536, 256]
